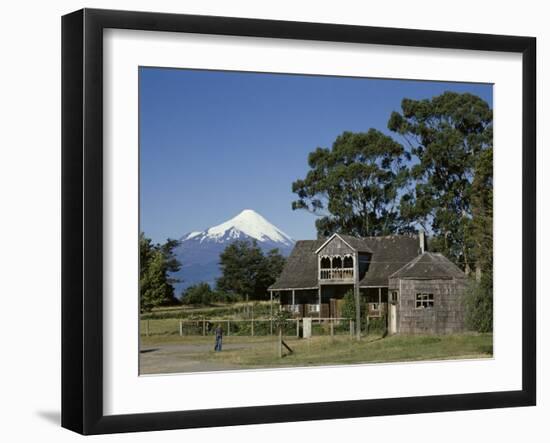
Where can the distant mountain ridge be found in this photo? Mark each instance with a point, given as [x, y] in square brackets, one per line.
[199, 251]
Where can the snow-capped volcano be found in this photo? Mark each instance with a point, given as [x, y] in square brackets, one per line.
[246, 224]
[199, 251]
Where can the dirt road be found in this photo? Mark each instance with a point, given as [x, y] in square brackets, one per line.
[174, 358]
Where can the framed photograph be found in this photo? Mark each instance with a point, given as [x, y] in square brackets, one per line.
[269, 221]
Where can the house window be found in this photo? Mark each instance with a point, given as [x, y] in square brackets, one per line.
[424, 300]
[313, 308]
[393, 298]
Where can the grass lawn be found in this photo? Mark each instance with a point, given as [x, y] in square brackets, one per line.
[261, 352]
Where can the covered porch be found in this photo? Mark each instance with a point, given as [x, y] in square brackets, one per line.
[376, 300]
[301, 302]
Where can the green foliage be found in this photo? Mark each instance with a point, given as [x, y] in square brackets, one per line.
[348, 308]
[199, 294]
[226, 297]
[156, 263]
[354, 186]
[377, 324]
[281, 318]
[479, 305]
[146, 250]
[246, 271]
[480, 232]
[348, 305]
[368, 184]
[219, 310]
[203, 294]
[154, 288]
[274, 263]
[171, 263]
[451, 137]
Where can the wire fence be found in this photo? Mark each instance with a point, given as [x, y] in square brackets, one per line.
[254, 327]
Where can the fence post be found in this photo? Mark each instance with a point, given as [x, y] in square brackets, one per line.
[252, 328]
[280, 342]
[147, 328]
[203, 327]
[351, 328]
[228, 327]
[181, 328]
[298, 327]
[331, 329]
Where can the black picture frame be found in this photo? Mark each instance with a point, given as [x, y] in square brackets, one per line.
[82, 218]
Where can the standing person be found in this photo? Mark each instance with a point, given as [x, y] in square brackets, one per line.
[219, 334]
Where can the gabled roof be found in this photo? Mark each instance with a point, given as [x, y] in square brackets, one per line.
[300, 270]
[355, 243]
[429, 265]
[359, 244]
[389, 253]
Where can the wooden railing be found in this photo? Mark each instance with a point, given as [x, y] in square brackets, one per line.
[337, 274]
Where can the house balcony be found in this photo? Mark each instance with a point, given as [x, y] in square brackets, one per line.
[337, 275]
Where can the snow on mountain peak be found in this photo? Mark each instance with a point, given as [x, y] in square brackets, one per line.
[192, 235]
[199, 251]
[250, 223]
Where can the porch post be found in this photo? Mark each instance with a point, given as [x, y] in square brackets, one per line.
[319, 291]
[270, 312]
[357, 296]
[380, 302]
[293, 298]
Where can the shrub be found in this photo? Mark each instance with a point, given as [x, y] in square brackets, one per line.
[281, 320]
[348, 306]
[224, 297]
[199, 294]
[479, 306]
[377, 324]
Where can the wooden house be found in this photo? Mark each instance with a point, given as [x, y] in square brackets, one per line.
[415, 291]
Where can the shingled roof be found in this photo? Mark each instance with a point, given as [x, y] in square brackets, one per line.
[389, 254]
[429, 265]
[356, 243]
[300, 271]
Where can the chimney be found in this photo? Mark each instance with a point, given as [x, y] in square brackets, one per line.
[422, 241]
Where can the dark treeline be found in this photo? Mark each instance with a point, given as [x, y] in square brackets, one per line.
[156, 263]
[246, 273]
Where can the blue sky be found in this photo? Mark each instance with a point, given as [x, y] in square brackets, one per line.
[213, 143]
